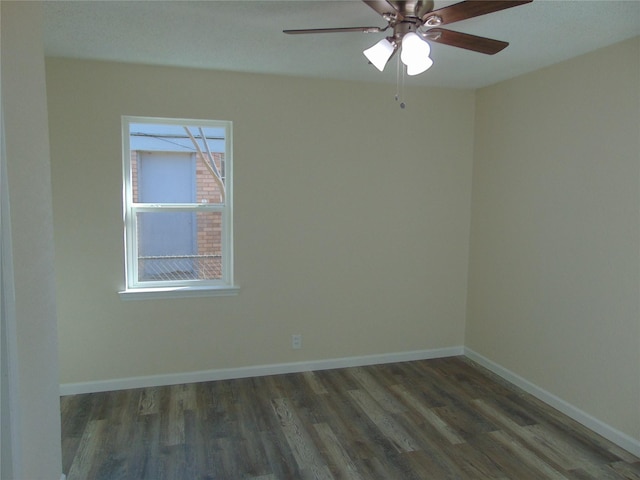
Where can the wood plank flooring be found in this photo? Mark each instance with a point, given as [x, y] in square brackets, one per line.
[434, 419]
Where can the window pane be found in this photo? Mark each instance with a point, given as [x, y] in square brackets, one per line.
[179, 246]
[177, 163]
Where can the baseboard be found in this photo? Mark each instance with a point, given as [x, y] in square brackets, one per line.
[621, 439]
[254, 371]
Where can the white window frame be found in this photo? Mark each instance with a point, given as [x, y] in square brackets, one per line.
[135, 289]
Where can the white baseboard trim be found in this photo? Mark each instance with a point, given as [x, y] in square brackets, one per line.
[254, 371]
[621, 439]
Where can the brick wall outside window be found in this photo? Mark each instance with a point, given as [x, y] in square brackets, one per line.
[209, 224]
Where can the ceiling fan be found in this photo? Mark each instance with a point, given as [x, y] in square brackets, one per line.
[413, 22]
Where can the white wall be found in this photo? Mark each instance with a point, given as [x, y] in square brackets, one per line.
[352, 220]
[37, 419]
[555, 239]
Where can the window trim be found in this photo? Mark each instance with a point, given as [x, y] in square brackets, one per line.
[183, 288]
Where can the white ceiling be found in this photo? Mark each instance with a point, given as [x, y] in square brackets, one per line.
[246, 36]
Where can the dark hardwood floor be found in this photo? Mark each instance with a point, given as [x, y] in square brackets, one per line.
[433, 419]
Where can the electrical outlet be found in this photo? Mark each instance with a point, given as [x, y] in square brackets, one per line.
[296, 341]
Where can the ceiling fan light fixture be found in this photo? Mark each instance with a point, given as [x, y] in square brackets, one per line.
[414, 49]
[417, 68]
[415, 54]
[380, 53]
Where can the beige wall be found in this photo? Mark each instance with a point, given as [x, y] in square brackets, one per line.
[36, 437]
[352, 224]
[351, 220]
[554, 263]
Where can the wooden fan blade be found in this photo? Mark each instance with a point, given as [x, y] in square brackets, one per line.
[464, 40]
[336, 30]
[472, 8]
[383, 7]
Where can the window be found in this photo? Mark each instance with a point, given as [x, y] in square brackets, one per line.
[177, 207]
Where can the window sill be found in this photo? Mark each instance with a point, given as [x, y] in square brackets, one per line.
[176, 292]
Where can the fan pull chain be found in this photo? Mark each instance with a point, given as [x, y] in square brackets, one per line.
[400, 83]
